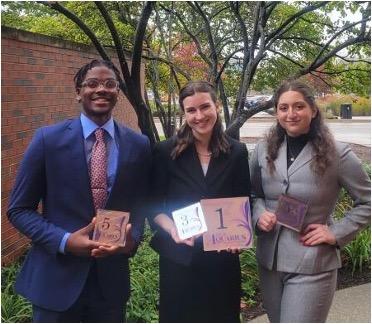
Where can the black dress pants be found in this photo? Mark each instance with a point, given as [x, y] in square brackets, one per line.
[208, 290]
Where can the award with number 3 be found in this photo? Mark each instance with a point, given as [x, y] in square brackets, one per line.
[189, 221]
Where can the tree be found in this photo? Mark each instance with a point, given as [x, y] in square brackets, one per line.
[239, 46]
[298, 37]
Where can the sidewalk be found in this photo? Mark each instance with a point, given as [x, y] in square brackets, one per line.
[350, 305]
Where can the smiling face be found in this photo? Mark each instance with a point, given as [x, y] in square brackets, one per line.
[294, 114]
[98, 102]
[200, 114]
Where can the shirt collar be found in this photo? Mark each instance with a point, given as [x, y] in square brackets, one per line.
[90, 126]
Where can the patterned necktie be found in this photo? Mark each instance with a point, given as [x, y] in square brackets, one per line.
[98, 167]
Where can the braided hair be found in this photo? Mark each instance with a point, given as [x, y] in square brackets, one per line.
[80, 75]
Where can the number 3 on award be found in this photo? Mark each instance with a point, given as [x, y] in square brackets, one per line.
[219, 210]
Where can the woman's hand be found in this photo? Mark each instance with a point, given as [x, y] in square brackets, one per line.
[168, 225]
[267, 221]
[315, 234]
[174, 234]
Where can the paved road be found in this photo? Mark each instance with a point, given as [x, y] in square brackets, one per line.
[350, 305]
[357, 131]
[353, 131]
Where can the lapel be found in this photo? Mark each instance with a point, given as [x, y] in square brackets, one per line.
[281, 161]
[189, 164]
[216, 167]
[303, 158]
[125, 148]
[75, 155]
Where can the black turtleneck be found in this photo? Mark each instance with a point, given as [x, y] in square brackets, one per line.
[295, 146]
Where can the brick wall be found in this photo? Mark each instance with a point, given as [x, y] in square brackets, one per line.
[36, 90]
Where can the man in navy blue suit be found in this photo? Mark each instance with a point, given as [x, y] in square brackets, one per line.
[67, 276]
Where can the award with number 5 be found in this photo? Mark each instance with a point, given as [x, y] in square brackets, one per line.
[229, 223]
[110, 227]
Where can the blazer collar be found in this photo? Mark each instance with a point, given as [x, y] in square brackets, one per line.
[281, 161]
[303, 158]
[190, 163]
[125, 148]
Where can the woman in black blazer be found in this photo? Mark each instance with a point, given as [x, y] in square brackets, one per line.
[199, 162]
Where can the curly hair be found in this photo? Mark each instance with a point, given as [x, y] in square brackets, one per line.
[320, 137]
[185, 137]
[80, 75]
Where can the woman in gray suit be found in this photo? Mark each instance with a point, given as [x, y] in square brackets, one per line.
[300, 159]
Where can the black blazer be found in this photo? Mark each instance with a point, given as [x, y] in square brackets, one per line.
[181, 182]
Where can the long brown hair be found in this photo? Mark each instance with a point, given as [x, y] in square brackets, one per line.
[320, 137]
[185, 137]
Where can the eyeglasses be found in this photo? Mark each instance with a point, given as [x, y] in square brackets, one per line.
[95, 83]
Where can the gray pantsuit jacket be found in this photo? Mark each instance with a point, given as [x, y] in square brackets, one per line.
[321, 194]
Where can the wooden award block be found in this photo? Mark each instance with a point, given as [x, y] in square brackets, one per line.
[291, 212]
[110, 227]
[189, 221]
[228, 222]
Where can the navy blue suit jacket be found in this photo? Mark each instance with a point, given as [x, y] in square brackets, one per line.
[54, 171]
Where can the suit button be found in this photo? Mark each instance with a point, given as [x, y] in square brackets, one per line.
[285, 182]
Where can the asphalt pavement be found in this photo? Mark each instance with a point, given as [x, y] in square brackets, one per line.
[356, 130]
[350, 305]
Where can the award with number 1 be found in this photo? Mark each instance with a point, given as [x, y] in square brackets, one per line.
[229, 224]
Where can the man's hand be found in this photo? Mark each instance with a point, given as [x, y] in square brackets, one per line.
[267, 221]
[315, 234]
[79, 242]
[104, 250]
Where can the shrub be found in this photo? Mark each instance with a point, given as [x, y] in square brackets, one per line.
[330, 105]
[358, 251]
[356, 254]
[249, 275]
[144, 272]
[14, 308]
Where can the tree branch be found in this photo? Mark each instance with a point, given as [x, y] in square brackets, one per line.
[192, 36]
[67, 13]
[342, 71]
[227, 59]
[118, 45]
[335, 36]
[313, 66]
[138, 44]
[281, 29]
[286, 57]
